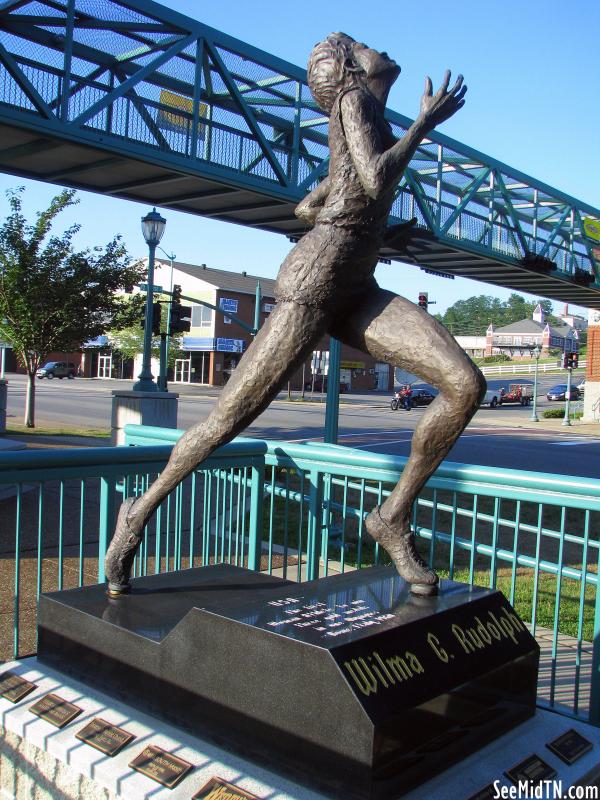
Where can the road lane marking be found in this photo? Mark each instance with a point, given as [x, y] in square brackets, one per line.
[574, 443]
[378, 432]
[382, 444]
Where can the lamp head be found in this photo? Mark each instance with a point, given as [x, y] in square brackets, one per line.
[153, 227]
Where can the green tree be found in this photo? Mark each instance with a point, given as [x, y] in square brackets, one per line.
[52, 297]
[128, 340]
[473, 316]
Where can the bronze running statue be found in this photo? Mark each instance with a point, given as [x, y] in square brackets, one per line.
[326, 285]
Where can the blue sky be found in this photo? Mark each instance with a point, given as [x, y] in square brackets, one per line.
[532, 69]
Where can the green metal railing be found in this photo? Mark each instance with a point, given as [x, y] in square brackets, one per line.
[298, 510]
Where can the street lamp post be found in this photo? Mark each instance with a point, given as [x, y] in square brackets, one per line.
[536, 352]
[153, 227]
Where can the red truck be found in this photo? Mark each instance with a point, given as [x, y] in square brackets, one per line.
[521, 393]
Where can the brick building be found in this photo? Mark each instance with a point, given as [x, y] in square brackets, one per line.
[519, 338]
[213, 347]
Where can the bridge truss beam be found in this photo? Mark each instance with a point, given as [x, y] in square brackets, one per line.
[129, 98]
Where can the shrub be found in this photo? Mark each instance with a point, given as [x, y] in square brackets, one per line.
[559, 413]
[497, 359]
[554, 413]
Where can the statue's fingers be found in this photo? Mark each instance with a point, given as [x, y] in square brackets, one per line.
[461, 94]
[428, 86]
[457, 84]
[445, 82]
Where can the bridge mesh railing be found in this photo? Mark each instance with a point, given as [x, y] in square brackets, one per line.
[255, 118]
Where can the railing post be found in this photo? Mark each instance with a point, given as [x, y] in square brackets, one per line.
[595, 677]
[107, 521]
[315, 522]
[257, 493]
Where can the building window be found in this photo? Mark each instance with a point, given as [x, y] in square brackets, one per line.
[202, 317]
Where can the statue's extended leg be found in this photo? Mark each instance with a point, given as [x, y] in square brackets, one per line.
[396, 331]
[283, 342]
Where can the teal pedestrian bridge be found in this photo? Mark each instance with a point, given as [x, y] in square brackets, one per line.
[134, 100]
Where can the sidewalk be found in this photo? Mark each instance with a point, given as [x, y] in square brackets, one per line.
[576, 428]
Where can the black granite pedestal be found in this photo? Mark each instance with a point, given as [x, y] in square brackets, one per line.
[349, 683]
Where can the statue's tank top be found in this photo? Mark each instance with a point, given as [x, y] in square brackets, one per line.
[336, 260]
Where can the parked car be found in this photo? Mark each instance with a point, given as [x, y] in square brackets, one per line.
[491, 398]
[581, 387]
[57, 369]
[321, 384]
[422, 397]
[559, 392]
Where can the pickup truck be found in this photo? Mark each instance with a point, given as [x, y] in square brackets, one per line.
[492, 396]
[521, 393]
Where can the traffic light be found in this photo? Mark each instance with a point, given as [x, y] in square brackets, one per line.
[176, 296]
[423, 300]
[565, 360]
[156, 318]
[181, 319]
[572, 360]
[181, 316]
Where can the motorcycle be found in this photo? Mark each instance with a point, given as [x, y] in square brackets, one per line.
[403, 398]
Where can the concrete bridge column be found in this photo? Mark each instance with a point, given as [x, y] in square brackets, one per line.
[158, 409]
[591, 398]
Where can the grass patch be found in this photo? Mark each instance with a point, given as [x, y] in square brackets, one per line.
[43, 430]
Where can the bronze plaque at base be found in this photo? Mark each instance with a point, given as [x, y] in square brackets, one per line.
[487, 793]
[570, 746]
[161, 766]
[105, 737]
[218, 789]
[14, 688]
[55, 710]
[532, 770]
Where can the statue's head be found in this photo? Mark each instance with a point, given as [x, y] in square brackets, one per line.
[331, 68]
[339, 62]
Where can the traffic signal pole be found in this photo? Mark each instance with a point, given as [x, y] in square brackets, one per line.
[332, 405]
[162, 374]
[567, 421]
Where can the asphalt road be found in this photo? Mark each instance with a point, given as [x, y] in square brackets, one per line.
[366, 422]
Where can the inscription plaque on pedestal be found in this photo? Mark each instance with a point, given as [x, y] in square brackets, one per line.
[486, 793]
[410, 685]
[55, 710]
[105, 737]
[162, 766]
[218, 789]
[531, 770]
[570, 746]
[14, 688]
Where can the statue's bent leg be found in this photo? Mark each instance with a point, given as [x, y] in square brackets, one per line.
[279, 348]
[395, 331]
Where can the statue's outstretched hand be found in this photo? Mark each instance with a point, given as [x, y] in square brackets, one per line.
[438, 107]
